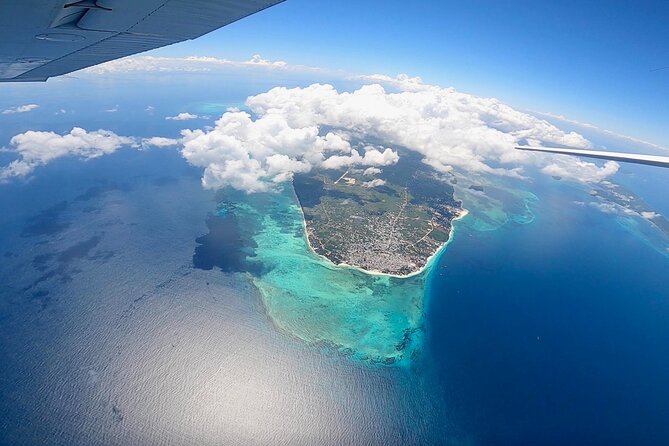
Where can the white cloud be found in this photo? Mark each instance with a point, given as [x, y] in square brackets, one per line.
[371, 171]
[20, 109]
[253, 155]
[192, 64]
[372, 157]
[254, 61]
[402, 81]
[159, 141]
[581, 170]
[114, 109]
[607, 208]
[38, 148]
[614, 209]
[374, 183]
[183, 116]
[450, 129]
[649, 215]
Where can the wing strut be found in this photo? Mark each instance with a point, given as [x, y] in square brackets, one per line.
[651, 160]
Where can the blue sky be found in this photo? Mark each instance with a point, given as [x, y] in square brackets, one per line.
[592, 61]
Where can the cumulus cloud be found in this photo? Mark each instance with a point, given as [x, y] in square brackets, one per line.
[649, 215]
[614, 209]
[580, 170]
[253, 155]
[159, 141]
[20, 109]
[38, 148]
[371, 171]
[372, 157]
[254, 61]
[183, 116]
[402, 81]
[190, 64]
[448, 128]
[295, 130]
[374, 183]
[607, 208]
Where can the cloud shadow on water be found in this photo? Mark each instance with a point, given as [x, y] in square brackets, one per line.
[226, 246]
[47, 222]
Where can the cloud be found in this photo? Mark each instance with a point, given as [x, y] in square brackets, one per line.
[374, 183]
[614, 209]
[183, 116]
[371, 171]
[254, 155]
[190, 64]
[20, 109]
[607, 208]
[38, 148]
[159, 141]
[451, 130]
[292, 130]
[255, 61]
[114, 109]
[649, 215]
[372, 157]
[581, 170]
[402, 81]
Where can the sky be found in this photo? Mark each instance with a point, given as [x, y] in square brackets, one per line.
[598, 62]
[570, 66]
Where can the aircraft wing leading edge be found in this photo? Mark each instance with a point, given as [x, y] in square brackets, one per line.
[653, 160]
[44, 38]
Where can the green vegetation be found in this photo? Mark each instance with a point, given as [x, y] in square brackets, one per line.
[389, 222]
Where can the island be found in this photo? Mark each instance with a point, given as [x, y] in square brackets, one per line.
[389, 221]
[616, 197]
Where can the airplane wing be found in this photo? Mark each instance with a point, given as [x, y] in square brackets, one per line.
[44, 38]
[653, 160]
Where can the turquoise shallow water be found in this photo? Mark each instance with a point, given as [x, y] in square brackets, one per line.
[554, 332]
[375, 318]
[129, 344]
[557, 327]
[372, 317]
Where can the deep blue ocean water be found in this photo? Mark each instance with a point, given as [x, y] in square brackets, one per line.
[553, 332]
[110, 333]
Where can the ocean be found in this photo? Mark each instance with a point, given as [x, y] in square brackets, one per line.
[135, 310]
[110, 335]
[553, 332]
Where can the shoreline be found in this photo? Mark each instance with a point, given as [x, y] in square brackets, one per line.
[428, 262]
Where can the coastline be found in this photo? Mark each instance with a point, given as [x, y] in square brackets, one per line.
[428, 261]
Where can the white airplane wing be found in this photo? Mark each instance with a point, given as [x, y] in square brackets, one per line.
[653, 160]
[44, 38]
